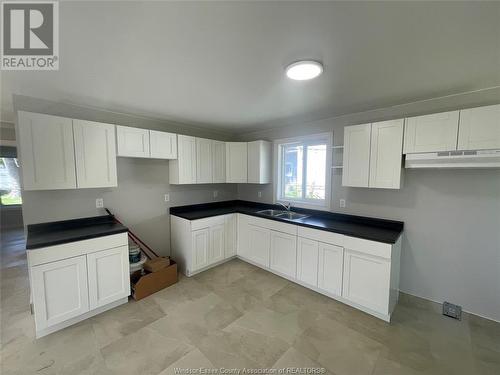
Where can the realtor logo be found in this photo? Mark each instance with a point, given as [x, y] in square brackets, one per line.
[30, 35]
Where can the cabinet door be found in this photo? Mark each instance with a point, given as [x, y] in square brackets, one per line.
[367, 280]
[218, 162]
[307, 261]
[60, 291]
[217, 248]
[203, 161]
[386, 154]
[479, 128]
[162, 145]
[258, 245]
[330, 265]
[259, 162]
[356, 155]
[230, 235]
[95, 154]
[183, 170]
[200, 245]
[431, 133]
[133, 142]
[46, 152]
[284, 253]
[108, 276]
[236, 162]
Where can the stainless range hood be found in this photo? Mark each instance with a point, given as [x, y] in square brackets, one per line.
[454, 159]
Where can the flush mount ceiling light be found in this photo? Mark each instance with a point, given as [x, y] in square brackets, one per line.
[304, 70]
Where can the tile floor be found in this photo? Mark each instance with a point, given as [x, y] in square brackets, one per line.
[236, 316]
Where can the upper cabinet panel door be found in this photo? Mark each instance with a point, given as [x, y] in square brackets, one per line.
[479, 128]
[236, 162]
[133, 142]
[183, 170]
[386, 154]
[203, 161]
[95, 154]
[162, 145]
[108, 276]
[259, 162]
[46, 152]
[356, 155]
[431, 133]
[218, 161]
[60, 291]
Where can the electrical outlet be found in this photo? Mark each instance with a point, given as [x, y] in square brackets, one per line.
[342, 203]
[167, 197]
[453, 311]
[216, 193]
[99, 203]
[259, 194]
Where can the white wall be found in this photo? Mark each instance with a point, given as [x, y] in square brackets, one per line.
[451, 248]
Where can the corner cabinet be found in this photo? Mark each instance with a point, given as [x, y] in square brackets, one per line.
[373, 155]
[74, 281]
[200, 244]
[236, 162]
[46, 151]
[259, 162]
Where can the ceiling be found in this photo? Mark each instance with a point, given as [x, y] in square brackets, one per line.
[221, 64]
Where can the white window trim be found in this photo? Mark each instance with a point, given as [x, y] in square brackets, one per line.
[326, 204]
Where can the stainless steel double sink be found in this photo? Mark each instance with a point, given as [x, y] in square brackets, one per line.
[282, 214]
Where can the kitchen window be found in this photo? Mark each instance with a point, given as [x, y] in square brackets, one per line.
[10, 187]
[304, 171]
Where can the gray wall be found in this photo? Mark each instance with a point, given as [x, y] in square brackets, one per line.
[451, 248]
[142, 183]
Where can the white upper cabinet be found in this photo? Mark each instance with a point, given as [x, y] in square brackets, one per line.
[356, 169]
[386, 154]
[236, 162]
[46, 151]
[162, 145]
[431, 133]
[479, 128]
[259, 162]
[218, 161]
[132, 142]
[203, 161]
[183, 169]
[373, 155]
[95, 154]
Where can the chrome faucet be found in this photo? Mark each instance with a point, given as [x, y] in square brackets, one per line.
[286, 205]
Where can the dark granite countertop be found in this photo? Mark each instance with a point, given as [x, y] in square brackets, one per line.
[381, 230]
[59, 232]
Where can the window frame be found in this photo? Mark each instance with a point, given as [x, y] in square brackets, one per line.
[312, 139]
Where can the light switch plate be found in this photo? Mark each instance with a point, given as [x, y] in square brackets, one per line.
[167, 197]
[342, 203]
[99, 203]
[216, 193]
[259, 194]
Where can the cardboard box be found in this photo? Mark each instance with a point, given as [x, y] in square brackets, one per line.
[145, 285]
[156, 264]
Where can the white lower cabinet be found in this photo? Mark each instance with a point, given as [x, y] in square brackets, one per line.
[367, 280]
[307, 261]
[216, 252]
[108, 276]
[201, 243]
[59, 291]
[283, 253]
[69, 283]
[330, 264]
[358, 272]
